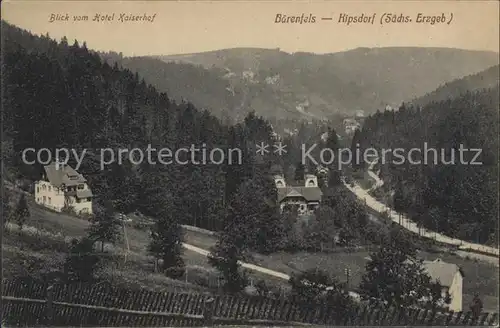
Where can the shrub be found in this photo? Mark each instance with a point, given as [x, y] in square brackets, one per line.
[86, 216]
[140, 226]
[175, 272]
[262, 288]
[81, 262]
[68, 209]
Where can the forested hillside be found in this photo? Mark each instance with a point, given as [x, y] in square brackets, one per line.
[62, 95]
[458, 199]
[322, 84]
[486, 79]
[226, 96]
[233, 82]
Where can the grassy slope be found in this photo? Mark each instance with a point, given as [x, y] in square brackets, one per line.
[479, 277]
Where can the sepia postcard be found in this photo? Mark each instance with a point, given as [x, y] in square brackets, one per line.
[250, 163]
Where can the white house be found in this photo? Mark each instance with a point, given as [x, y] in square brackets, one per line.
[306, 196]
[62, 186]
[450, 277]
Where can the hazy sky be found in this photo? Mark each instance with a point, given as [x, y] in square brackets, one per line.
[185, 27]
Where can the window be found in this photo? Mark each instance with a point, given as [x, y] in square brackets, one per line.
[49, 200]
[78, 200]
[44, 199]
[89, 199]
[44, 187]
[37, 189]
[81, 186]
[50, 188]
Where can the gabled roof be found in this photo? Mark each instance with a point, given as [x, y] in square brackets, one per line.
[83, 193]
[310, 194]
[59, 175]
[442, 271]
[294, 193]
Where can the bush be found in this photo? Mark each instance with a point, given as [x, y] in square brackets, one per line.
[141, 226]
[81, 262]
[175, 272]
[26, 185]
[86, 216]
[202, 277]
[68, 209]
[262, 288]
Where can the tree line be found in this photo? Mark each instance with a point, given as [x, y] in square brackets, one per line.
[457, 199]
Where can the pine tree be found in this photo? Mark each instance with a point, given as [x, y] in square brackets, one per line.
[268, 224]
[105, 226]
[167, 236]
[166, 245]
[398, 200]
[225, 255]
[236, 239]
[64, 41]
[22, 212]
[123, 184]
[82, 263]
[300, 172]
[332, 143]
[322, 233]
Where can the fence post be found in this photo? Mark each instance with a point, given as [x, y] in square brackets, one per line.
[208, 311]
[49, 305]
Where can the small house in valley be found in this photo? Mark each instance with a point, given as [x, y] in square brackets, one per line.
[450, 276]
[305, 195]
[61, 186]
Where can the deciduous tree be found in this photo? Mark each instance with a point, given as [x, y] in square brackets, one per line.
[316, 287]
[22, 212]
[395, 277]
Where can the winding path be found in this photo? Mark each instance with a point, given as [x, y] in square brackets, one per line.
[378, 182]
[410, 225]
[254, 267]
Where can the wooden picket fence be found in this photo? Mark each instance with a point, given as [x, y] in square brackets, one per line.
[30, 303]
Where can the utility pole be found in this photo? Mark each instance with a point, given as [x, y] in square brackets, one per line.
[347, 272]
[126, 241]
